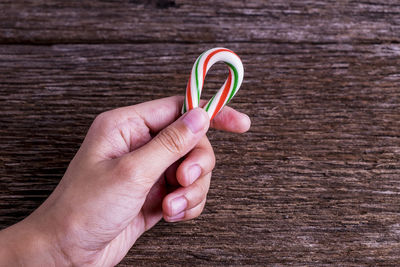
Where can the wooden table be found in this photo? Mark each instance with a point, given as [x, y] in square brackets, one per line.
[315, 182]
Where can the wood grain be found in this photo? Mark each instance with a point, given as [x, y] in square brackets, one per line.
[293, 21]
[316, 181]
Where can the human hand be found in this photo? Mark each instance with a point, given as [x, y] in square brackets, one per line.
[133, 168]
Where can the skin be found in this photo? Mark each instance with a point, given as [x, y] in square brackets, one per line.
[137, 165]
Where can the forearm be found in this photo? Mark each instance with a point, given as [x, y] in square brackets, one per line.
[23, 245]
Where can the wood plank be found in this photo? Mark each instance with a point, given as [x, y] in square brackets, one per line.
[129, 21]
[315, 181]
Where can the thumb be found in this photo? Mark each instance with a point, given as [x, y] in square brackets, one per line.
[169, 145]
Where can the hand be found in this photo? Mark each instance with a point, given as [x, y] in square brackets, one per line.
[133, 168]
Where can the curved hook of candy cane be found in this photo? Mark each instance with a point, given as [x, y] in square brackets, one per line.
[198, 74]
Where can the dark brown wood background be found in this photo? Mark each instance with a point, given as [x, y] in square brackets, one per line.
[316, 181]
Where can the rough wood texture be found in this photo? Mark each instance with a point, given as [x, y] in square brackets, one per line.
[315, 182]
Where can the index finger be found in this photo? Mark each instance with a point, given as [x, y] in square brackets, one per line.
[158, 114]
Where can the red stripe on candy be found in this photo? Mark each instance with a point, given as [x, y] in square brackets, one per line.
[224, 95]
[209, 57]
[189, 94]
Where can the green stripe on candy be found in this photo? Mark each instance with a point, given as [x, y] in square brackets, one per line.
[197, 77]
[184, 105]
[209, 103]
[235, 81]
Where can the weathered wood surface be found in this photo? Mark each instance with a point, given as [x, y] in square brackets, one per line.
[309, 21]
[315, 182]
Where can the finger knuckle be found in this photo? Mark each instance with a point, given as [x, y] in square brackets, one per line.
[172, 140]
[196, 212]
[102, 120]
[212, 160]
[210, 156]
[201, 206]
[102, 116]
[201, 189]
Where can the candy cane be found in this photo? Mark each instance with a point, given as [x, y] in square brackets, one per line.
[198, 74]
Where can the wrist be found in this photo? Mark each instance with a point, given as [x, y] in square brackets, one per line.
[26, 245]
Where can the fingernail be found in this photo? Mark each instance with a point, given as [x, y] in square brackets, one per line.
[176, 217]
[178, 204]
[195, 120]
[194, 173]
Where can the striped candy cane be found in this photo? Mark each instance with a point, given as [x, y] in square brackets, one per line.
[198, 74]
